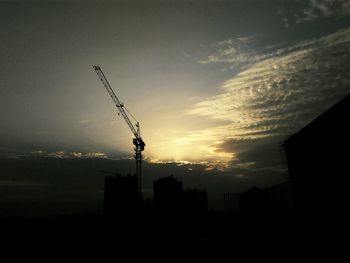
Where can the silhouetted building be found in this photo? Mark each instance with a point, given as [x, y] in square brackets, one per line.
[167, 194]
[121, 196]
[281, 198]
[276, 200]
[318, 163]
[254, 202]
[195, 202]
[231, 202]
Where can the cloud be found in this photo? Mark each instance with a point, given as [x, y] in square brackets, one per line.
[279, 93]
[235, 51]
[21, 183]
[323, 8]
[65, 154]
[242, 53]
[84, 121]
[286, 22]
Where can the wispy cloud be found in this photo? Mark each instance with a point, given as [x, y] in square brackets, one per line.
[323, 8]
[241, 53]
[234, 50]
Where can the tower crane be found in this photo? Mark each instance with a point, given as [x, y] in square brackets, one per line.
[135, 128]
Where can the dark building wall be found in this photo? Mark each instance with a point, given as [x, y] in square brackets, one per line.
[318, 163]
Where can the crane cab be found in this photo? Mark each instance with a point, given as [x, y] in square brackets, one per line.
[139, 143]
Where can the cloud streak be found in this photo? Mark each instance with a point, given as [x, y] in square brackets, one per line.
[279, 93]
[65, 154]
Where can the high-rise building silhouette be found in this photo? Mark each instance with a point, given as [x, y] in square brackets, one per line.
[195, 202]
[281, 198]
[170, 198]
[318, 163]
[231, 202]
[121, 196]
[167, 194]
[254, 202]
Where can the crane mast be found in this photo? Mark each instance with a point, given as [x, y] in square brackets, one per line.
[135, 128]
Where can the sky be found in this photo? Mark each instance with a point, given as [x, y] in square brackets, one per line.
[216, 85]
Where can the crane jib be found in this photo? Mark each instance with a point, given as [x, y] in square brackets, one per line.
[116, 101]
[137, 141]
